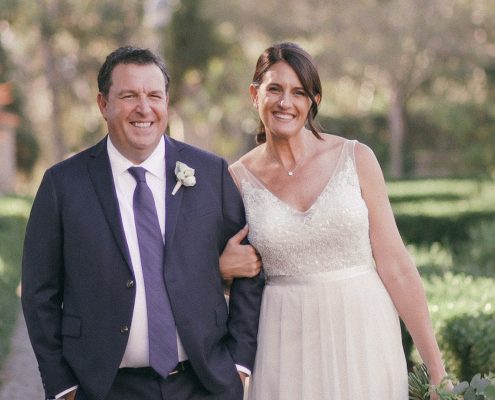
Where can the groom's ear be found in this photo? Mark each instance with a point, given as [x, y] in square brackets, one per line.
[102, 102]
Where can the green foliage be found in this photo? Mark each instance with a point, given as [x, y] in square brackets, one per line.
[466, 131]
[479, 388]
[13, 216]
[419, 384]
[448, 229]
[55, 55]
[434, 259]
[192, 42]
[452, 295]
[449, 297]
[469, 343]
[446, 220]
[441, 210]
[27, 151]
[461, 299]
[477, 255]
[27, 147]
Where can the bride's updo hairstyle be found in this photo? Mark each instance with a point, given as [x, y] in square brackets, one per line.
[304, 67]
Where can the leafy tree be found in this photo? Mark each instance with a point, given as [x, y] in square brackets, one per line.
[389, 48]
[57, 47]
[27, 148]
[207, 67]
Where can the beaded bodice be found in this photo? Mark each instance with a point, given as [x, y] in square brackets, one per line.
[332, 234]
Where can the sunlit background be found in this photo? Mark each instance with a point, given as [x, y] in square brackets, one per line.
[414, 79]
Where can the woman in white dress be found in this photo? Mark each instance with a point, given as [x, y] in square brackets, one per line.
[338, 274]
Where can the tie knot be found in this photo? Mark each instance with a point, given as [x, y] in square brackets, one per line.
[138, 173]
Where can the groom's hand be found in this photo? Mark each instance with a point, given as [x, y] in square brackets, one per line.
[239, 260]
[70, 395]
[243, 377]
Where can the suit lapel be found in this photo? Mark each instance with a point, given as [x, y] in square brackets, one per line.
[100, 174]
[172, 203]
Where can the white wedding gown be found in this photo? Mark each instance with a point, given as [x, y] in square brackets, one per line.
[328, 328]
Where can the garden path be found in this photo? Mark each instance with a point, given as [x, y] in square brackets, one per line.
[19, 378]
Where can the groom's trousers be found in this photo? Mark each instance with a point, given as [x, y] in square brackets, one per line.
[146, 384]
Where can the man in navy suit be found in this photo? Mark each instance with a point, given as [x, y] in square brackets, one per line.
[85, 301]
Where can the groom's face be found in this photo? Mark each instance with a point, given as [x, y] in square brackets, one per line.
[135, 109]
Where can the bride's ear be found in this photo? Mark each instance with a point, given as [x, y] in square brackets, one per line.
[253, 91]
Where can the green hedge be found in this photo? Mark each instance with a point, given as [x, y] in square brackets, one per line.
[477, 255]
[452, 297]
[469, 344]
[441, 210]
[13, 216]
[450, 229]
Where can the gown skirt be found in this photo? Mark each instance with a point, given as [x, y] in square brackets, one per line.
[329, 336]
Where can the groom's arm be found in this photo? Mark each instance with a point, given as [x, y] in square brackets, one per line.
[245, 293]
[42, 288]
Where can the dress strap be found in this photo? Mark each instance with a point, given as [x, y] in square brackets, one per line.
[241, 174]
[346, 153]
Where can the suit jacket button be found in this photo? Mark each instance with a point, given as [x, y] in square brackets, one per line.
[124, 329]
[130, 284]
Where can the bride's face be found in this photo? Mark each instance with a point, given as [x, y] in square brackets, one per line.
[281, 100]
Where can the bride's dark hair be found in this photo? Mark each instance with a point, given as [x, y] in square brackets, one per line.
[304, 67]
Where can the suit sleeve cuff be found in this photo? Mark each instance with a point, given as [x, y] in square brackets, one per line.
[240, 368]
[61, 394]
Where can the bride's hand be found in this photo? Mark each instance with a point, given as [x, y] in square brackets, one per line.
[239, 260]
[434, 396]
[446, 385]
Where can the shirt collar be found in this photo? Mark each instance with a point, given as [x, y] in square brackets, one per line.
[154, 164]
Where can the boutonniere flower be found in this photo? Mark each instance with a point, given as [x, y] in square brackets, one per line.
[185, 176]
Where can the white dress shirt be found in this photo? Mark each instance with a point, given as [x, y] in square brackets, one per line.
[136, 353]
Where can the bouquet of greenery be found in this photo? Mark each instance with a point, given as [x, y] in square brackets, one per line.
[480, 388]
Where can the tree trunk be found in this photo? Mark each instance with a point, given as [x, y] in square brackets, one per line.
[58, 149]
[397, 132]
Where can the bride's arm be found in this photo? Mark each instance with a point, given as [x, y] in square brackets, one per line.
[394, 265]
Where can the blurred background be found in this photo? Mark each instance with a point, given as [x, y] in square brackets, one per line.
[414, 79]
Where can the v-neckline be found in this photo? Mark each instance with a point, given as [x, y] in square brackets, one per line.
[317, 198]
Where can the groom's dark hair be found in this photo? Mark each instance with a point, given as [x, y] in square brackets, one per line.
[129, 55]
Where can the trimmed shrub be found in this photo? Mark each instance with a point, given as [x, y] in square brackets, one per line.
[448, 229]
[477, 255]
[13, 215]
[469, 344]
[449, 297]
[441, 210]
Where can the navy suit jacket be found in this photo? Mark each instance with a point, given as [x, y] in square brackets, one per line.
[77, 279]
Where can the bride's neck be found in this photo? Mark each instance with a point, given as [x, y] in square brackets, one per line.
[287, 151]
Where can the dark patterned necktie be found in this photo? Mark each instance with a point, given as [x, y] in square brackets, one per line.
[161, 325]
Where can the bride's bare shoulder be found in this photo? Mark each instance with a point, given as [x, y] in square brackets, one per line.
[332, 142]
[252, 157]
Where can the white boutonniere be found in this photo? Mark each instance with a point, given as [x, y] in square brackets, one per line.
[185, 176]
